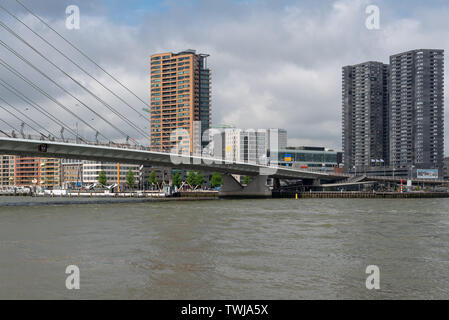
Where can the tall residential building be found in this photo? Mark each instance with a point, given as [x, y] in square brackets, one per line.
[6, 170]
[180, 95]
[365, 114]
[417, 109]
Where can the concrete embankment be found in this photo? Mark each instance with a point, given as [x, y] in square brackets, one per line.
[361, 195]
[93, 198]
[68, 201]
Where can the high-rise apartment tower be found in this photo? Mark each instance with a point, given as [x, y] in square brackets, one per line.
[180, 96]
[417, 109]
[365, 115]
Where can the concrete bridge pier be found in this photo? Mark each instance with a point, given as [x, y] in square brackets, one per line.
[257, 188]
[276, 184]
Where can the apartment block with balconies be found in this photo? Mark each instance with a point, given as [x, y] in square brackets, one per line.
[365, 115]
[180, 96]
[417, 109]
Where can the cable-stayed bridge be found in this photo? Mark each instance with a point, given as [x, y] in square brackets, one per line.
[40, 83]
[115, 153]
[142, 155]
[47, 83]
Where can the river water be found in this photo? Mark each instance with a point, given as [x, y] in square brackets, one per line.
[227, 249]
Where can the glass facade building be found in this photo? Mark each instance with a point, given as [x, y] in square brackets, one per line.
[306, 157]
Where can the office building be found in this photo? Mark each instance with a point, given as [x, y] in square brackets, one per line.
[365, 115]
[92, 169]
[276, 140]
[239, 145]
[72, 173]
[314, 158]
[180, 96]
[163, 176]
[417, 109]
[246, 146]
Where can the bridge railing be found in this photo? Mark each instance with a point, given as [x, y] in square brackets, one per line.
[79, 141]
[129, 146]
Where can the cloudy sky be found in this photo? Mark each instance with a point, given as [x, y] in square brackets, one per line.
[275, 63]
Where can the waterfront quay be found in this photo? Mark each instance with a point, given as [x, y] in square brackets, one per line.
[125, 197]
[85, 198]
[361, 195]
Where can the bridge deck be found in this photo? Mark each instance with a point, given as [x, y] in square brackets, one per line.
[54, 149]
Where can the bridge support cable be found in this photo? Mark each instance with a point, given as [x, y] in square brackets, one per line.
[4, 133]
[24, 115]
[82, 53]
[9, 125]
[71, 60]
[21, 120]
[62, 88]
[37, 107]
[112, 109]
[44, 93]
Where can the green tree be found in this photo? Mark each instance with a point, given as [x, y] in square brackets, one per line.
[216, 180]
[176, 179]
[199, 179]
[130, 178]
[246, 180]
[102, 178]
[191, 178]
[153, 180]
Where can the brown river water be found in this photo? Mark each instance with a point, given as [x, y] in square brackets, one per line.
[227, 249]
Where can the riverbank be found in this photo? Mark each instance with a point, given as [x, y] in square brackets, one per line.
[75, 201]
[135, 194]
[101, 198]
[361, 195]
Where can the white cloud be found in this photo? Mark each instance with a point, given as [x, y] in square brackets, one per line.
[273, 65]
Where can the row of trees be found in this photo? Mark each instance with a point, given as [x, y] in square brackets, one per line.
[130, 179]
[195, 180]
